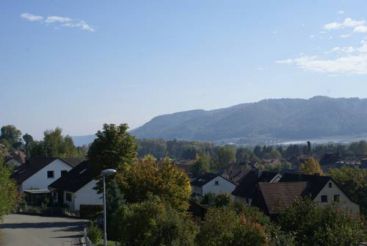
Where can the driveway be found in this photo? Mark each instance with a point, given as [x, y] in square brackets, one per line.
[30, 230]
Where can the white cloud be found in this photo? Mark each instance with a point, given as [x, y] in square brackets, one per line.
[58, 19]
[31, 17]
[351, 64]
[62, 21]
[340, 59]
[351, 61]
[347, 23]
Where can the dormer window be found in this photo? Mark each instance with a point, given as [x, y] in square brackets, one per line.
[330, 185]
[216, 182]
[50, 174]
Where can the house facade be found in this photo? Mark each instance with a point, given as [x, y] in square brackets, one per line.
[77, 187]
[39, 173]
[274, 192]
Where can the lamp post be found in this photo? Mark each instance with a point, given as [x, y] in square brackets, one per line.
[105, 173]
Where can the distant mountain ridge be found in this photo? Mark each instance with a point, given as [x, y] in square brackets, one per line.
[266, 121]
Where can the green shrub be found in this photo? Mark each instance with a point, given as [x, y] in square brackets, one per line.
[94, 233]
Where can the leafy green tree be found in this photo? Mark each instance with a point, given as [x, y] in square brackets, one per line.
[8, 190]
[358, 148]
[223, 226]
[153, 222]
[225, 155]
[54, 144]
[354, 183]
[114, 199]
[315, 225]
[163, 179]
[10, 135]
[311, 166]
[201, 165]
[244, 156]
[114, 147]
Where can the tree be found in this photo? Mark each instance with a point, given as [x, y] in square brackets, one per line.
[28, 140]
[114, 147]
[54, 144]
[354, 183]
[10, 135]
[244, 156]
[225, 155]
[315, 225]
[311, 166]
[153, 222]
[163, 179]
[8, 190]
[201, 165]
[223, 226]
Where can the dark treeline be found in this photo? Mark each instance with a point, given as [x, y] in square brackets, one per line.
[189, 150]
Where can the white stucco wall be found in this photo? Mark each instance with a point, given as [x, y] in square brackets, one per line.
[86, 195]
[39, 180]
[344, 201]
[223, 186]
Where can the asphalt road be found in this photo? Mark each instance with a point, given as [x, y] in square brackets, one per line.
[29, 230]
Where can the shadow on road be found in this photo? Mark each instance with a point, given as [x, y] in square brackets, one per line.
[40, 225]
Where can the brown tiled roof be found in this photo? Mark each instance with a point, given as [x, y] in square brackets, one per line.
[247, 185]
[274, 198]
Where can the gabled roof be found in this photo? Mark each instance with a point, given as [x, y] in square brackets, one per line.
[35, 164]
[203, 179]
[207, 177]
[247, 185]
[274, 198]
[315, 182]
[76, 178]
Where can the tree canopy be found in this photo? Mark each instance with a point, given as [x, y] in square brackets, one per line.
[114, 147]
[311, 166]
[54, 144]
[160, 178]
[223, 226]
[313, 225]
[8, 190]
[153, 222]
[10, 135]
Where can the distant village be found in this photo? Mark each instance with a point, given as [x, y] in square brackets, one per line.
[269, 179]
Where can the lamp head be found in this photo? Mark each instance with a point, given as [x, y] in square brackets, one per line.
[108, 172]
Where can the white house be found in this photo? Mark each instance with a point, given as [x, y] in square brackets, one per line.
[273, 192]
[211, 183]
[37, 174]
[77, 188]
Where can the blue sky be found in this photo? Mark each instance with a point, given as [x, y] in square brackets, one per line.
[79, 64]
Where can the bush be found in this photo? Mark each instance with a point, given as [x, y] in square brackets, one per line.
[94, 233]
[315, 225]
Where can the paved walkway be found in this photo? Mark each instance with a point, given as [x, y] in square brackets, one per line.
[29, 230]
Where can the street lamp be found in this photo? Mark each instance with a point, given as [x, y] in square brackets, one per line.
[105, 173]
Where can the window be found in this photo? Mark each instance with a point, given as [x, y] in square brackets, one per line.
[68, 197]
[63, 172]
[324, 198]
[50, 174]
[330, 185]
[216, 182]
[336, 198]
